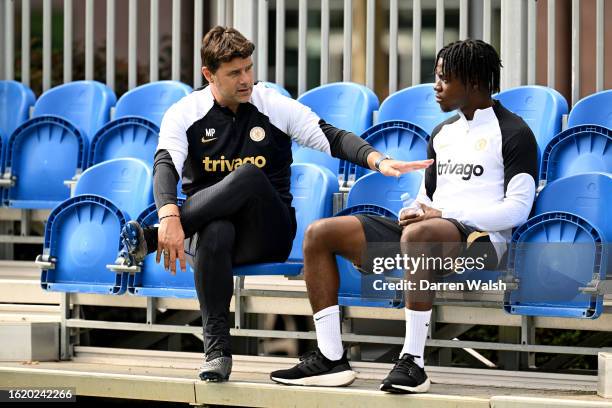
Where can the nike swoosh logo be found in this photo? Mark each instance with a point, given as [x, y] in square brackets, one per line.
[209, 140]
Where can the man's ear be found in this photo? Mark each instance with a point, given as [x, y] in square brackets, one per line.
[207, 74]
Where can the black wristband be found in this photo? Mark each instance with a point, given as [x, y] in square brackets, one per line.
[167, 216]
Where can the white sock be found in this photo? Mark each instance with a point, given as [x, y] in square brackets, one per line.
[417, 326]
[327, 325]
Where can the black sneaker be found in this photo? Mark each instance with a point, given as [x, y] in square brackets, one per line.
[316, 369]
[406, 377]
[133, 245]
[216, 367]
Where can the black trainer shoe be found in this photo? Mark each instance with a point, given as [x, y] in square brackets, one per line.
[316, 369]
[133, 245]
[216, 367]
[406, 377]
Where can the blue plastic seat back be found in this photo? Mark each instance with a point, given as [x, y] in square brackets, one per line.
[554, 254]
[86, 104]
[312, 188]
[152, 100]
[154, 280]
[15, 102]
[127, 183]
[82, 234]
[134, 137]
[586, 195]
[595, 109]
[41, 155]
[417, 105]
[310, 156]
[278, 88]
[345, 105]
[541, 107]
[400, 140]
[580, 149]
[383, 191]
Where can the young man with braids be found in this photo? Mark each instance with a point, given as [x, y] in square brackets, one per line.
[230, 143]
[482, 184]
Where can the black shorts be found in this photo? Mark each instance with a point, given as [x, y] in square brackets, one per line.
[381, 230]
[384, 229]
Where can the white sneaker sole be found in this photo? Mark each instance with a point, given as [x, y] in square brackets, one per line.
[341, 379]
[415, 390]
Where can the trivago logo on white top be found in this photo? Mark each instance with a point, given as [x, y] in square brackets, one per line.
[466, 170]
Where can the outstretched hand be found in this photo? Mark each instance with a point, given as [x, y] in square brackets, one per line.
[396, 168]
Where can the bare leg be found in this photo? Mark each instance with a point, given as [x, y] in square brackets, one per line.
[434, 238]
[323, 240]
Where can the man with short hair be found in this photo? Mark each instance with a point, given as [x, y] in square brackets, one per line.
[481, 185]
[230, 143]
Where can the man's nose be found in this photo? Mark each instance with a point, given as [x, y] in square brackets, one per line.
[244, 78]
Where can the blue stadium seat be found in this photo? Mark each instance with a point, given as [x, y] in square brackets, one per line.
[580, 149]
[125, 137]
[595, 109]
[400, 140]
[127, 182]
[15, 102]
[312, 188]
[151, 101]
[52, 147]
[153, 279]
[541, 107]
[85, 104]
[417, 105]
[135, 130]
[564, 248]
[278, 88]
[82, 233]
[584, 194]
[347, 106]
[356, 289]
[377, 189]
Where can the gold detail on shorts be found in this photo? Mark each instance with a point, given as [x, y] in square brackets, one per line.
[474, 236]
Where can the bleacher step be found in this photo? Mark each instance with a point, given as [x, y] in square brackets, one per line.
[255, 389]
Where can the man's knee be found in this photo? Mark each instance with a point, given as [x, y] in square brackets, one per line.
[419, 232]
[216, 237]
[316, 234]
[248, 176]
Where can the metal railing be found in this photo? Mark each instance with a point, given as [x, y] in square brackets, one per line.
[476, 19]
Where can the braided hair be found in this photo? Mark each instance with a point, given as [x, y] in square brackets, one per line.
[473, 62]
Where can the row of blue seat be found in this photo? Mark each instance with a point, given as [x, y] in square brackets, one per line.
[407, 118]
[82, 233]
[70, 131]
[564, 247]
[584, 148]
[553, 256]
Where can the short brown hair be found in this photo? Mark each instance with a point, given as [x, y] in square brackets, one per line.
[223, 44]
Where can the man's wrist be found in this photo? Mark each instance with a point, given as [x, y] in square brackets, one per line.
[168, 210]
[169, 216]
[380, 160]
